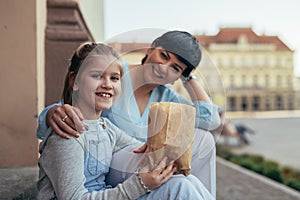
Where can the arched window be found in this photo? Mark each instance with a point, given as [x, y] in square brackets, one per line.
[267, 81]
[255, 81]
[232, 81]
[244, 81]
[279, 81]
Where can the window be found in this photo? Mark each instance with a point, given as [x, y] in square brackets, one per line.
[289, 81]
[278, 61]
[239, 61]
[232, 81]
[232, 103]
[244, 103]
[242, 61]
[267, 81]
[255, 83]
[255, 103]
[279, 81]
[290, 102]
[279, 105]
[266, 61]
[244, 81]
[267, 103]
[231, 62]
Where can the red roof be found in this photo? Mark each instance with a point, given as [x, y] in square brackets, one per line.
[232, 35]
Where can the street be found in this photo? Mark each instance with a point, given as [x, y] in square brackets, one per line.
[277, 139]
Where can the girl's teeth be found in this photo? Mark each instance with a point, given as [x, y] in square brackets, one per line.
[105, 95]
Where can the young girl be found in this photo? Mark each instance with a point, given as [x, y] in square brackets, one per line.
[76, 168]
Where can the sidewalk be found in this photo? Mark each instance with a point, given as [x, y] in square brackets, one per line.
[233, 183]
[237, 183]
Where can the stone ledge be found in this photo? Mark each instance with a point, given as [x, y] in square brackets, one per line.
[15, 181]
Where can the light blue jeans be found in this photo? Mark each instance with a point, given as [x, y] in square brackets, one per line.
[203, 165]
[180, 187]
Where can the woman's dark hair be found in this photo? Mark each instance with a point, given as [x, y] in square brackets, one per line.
[77, 59]
[184, 45]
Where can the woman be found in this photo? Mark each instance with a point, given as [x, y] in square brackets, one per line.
[76, 168]
[173, 55]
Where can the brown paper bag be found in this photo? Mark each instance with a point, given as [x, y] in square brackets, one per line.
[171, 133]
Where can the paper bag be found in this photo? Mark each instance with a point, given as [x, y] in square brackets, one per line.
[171, 133]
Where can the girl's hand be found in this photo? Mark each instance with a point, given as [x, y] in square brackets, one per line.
[65, 120]
[161, 174]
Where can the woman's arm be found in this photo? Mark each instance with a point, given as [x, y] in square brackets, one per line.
[195, 90]
[207, 113]
[42, 125]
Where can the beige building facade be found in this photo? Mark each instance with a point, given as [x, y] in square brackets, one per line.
[22, 84]
[257, 71]
[297, 90]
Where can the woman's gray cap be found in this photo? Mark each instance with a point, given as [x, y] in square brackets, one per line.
[182, 44]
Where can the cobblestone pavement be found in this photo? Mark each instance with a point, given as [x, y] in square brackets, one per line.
[236, 183]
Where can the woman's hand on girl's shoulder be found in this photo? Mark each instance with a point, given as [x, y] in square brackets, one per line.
[65, 120]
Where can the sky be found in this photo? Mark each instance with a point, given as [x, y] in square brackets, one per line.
[270, 17]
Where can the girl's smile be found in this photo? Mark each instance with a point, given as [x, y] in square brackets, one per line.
[104, 95]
